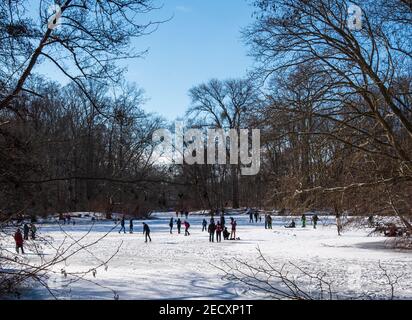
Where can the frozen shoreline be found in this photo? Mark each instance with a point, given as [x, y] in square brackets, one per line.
[178, 267]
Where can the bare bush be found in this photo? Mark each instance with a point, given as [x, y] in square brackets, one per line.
[18, 272]
[291, 281]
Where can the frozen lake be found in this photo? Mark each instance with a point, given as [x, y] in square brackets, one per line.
[179, 267]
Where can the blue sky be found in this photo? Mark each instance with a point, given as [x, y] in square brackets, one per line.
[201, 42]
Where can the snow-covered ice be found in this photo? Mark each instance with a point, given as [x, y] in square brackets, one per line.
[179, 267]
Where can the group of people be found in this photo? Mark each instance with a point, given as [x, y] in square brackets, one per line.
[123, 225]
[254, 216]
[146, 228]
[315, 220]
[20, 237]
[179, 224]
[215, 229]
[219, 228]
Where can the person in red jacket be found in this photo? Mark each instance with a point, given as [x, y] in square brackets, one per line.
[18, 237]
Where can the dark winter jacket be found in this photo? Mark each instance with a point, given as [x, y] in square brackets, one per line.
[146, 229]
[212, 228]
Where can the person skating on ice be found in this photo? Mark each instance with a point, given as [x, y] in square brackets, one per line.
[33, 230]
[250, 216]
[179, 225]
[171, 223]
[187, 226]
[303, 221]
[122, 225]
[204, 225]
[315, 220]
[222, 219]
[233, 223]
[269, 222]
[211, 230]
[146, 232]
[26, 231]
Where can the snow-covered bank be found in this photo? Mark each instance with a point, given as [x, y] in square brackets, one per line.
[179, 267]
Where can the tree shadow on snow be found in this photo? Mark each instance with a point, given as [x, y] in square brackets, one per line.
[381, 245]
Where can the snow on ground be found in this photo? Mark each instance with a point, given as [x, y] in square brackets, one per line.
[179, 267]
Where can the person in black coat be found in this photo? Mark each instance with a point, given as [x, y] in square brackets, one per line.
[204, 225]
[171, 223]
[26, 231]
[211, 230]
[33, 230]
[226, 234]
[222, 220]
[179, 225]
[292, 225]
[122, 225]
[146, 232]
[315, 220]
[250, 216]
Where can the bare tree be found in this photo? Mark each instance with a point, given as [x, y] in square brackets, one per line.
[83, 39]
[360, 123]
[292, 281]
[224, 105]
[17, 273]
